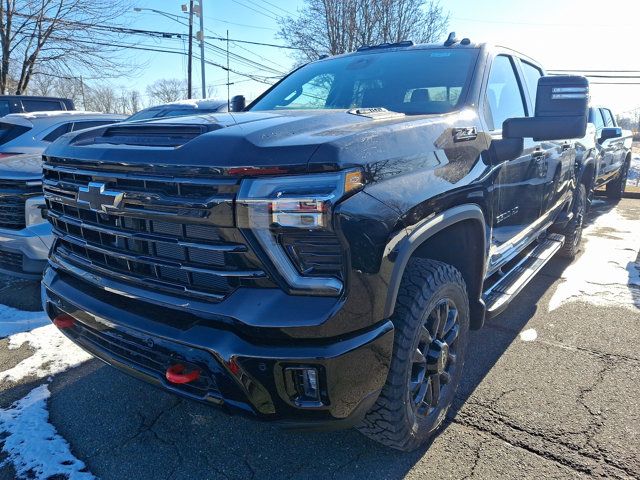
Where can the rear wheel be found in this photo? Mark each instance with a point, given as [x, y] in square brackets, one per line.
[431, 322]
[615, 189]
[573, 230]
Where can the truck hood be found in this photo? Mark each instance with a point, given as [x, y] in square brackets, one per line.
[21, 167]
[273, 141]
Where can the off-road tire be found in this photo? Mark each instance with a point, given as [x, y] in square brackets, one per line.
[615, 189]
[573, 230]
[394, 420]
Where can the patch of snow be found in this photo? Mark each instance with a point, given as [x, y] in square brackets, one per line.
[14, 321]
[33, 445]
[633, 180]
[607, 273]
[528, 335]
[54, 353]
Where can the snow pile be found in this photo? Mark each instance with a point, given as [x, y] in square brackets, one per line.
[14, 321]
[32, 444]
[528, 335]
[608, 272]
[54, 353]
[634, 172]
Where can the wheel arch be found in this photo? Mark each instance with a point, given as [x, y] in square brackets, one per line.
[456, 236]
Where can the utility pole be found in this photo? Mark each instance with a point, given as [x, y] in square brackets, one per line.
[190, 64]
[201, 38]
[228, 84]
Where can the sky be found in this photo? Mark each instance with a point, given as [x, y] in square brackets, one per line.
[560, 34]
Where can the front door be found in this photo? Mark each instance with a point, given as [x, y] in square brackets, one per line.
[520, 183]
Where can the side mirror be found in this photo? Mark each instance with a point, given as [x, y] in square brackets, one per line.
[238, 103]
[561, 111]
[610, 132]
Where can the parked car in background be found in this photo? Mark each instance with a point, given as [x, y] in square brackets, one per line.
[25, 236]
[180, 109]
[319, 258]
[33, 132]
[613, 145]
[28, 103]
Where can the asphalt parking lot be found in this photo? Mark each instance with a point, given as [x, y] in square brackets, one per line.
[551, 390]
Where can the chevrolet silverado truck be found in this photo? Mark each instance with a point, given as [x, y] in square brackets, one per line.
[319, 258]
[612, 148]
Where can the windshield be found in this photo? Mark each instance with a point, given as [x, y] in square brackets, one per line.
[419, 81]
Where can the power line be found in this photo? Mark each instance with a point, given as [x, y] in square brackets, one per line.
[255, 10]
[276, 6]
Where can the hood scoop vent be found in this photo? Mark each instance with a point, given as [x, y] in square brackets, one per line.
[150, 135]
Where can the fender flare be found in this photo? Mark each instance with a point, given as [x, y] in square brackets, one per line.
[423, 231]
[591, 160]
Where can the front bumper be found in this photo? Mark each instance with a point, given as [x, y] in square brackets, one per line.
[24, 253]
[239, 372]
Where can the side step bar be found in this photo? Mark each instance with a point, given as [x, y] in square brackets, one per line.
[498, 297]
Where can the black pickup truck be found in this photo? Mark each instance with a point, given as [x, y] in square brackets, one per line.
[609, 146]
[319, 258]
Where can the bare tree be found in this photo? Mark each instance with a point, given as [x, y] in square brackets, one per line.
[101, 98]
[338, 26]
[47, 85]
[135, 101]
[60, 37]
[166, 90]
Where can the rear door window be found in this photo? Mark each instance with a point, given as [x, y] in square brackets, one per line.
[608, 118]
[33, 105]
[595, 117]
[57, 132]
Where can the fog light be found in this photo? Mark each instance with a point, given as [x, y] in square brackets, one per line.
[304, 386]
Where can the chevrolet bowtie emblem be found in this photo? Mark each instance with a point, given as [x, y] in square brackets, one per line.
[98, 198]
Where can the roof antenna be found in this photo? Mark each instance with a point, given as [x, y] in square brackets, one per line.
[451, 39]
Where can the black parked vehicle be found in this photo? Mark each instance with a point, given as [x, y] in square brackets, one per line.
[320, 258]
[612, 149]
[30, 103]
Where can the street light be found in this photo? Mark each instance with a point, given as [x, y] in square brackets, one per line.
[175, 18]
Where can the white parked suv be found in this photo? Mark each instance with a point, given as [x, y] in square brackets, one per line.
[33, 132]
[25, 235]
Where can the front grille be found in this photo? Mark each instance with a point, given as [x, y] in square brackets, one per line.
[11, 261]
[13, 195]
[170, 233]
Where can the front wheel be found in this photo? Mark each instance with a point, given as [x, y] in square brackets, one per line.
[431, 321]
[573, 230]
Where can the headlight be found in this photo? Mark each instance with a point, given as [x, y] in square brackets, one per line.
[276, 209]
[35, 211]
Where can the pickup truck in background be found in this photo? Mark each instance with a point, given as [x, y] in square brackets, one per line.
[30, 103]
[612, 147]
[319, 258]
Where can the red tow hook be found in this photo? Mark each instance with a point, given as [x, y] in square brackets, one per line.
[63, 321]
[177, 374]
